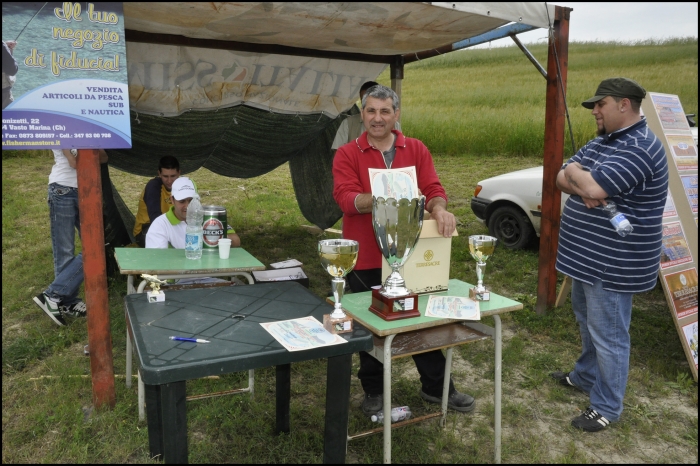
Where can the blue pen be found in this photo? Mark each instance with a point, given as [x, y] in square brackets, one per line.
[192, 340]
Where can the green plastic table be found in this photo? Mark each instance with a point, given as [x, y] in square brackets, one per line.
[421, 334]
[172, 264]
[236, 345]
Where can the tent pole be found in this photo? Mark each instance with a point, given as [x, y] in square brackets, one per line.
[557, 61]
[396, 72]
[95, 273]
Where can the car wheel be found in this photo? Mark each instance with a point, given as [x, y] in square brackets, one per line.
[512, 227]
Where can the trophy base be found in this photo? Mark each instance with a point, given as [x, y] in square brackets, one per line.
[483, 296]
[155, 296]
[389, 309]
[336, 326]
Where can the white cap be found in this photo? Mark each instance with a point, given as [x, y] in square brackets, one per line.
[183, 188]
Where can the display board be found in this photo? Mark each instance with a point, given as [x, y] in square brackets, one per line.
[679, 253]
[65, 85]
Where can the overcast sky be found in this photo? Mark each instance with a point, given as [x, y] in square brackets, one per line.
[622, 22]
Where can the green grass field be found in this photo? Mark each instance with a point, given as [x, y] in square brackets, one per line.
[481, 113]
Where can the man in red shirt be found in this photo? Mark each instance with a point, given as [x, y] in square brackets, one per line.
[381, 146]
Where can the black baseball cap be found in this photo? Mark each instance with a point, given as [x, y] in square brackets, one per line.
[616, 87]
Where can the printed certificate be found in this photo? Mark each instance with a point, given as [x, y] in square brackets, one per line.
[301, 334]
[400, 183]
[452, 307]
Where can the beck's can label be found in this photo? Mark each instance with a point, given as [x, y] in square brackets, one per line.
[214, 226]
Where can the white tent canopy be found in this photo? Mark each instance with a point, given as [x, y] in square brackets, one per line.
[363, 27]
[168, 77]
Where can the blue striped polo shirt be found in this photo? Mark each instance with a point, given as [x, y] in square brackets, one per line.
[630, 165]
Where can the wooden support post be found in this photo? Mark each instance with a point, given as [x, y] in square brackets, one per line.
[557, 65]
[95, 273]
[396, 73]
[563, 291]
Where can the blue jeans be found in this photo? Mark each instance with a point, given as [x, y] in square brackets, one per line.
[604, 321]
[67, 267]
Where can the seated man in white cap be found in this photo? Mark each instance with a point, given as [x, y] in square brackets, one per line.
[169, 230]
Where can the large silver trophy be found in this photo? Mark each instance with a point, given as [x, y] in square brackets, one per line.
[481, 248]
[397, 226]
[338, 257]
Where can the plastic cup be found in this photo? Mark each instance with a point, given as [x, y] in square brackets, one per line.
[224, 248]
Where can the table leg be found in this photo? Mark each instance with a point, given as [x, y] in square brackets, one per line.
[335, 441]
[167, 422]
[141, 397]
[387, 398]
[155, 422]
[283, 375]
[446, 385]
[246, 275]
[129, 290]
[129, 354]
[173, 423]
[497, 391]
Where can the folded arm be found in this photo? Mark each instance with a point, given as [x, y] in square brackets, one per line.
[574, 179]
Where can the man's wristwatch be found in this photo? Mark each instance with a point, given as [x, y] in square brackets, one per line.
[74, 152]
[564, 166]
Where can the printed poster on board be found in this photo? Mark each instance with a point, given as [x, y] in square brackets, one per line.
[670, 207]
[685, 152]
[690, 185]
[69, 83]
[670, 112]
[674, 247]
[691, 337]
[683, 288]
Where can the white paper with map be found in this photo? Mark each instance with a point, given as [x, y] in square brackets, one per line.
[399, 183]
[452, 307]
[301, 334]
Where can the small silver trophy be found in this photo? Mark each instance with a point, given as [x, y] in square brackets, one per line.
[481, 248]
[338, 257]
[397, 226]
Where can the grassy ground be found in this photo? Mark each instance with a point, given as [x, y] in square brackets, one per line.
[51, 419]
[47, 396]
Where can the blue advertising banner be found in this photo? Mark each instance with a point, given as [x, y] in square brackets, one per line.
[64, 76]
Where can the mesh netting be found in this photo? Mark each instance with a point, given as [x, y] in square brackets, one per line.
[240, 142]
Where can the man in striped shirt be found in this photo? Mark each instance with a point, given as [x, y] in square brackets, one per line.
[625, 164]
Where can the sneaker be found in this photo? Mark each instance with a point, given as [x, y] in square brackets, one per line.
[77, 309]
[372, 404]
[457, 401]
[563, 379]
[590, 421]
[51, 308]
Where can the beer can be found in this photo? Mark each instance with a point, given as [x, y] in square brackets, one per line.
[214, 227]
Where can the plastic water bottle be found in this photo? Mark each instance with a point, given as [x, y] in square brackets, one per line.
[618, 219]
[194, 233]
[402, 413]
